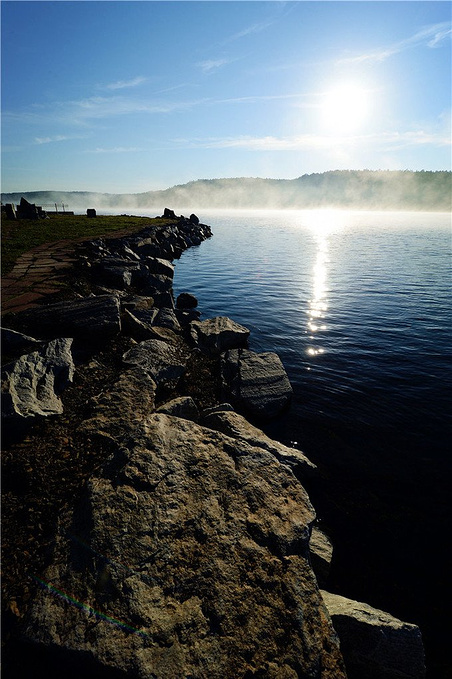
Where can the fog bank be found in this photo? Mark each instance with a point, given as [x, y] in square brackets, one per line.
[354, 189]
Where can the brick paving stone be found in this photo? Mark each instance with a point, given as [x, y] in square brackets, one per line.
[46, 289]
[34, 275]
[21, 307]
[44, 261]
[7, 281]
[20, 300]
[20, 269]
[61, 265]
[12, 291]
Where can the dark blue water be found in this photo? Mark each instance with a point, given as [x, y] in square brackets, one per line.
[358, 306]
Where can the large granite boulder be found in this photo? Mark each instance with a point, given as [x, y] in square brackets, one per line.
[256, 383]
[91, 319]
[374, 644]
[188, 557]
[164, 362]
[233, 424]
[32, 384]
[215, 335]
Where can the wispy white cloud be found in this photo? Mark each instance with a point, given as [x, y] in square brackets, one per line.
[430, 36]
[299, 97]
[85, 111]
[123, 84]
[212, 64]
[257, 27]
[57, 138]
[115, 149]
[391, 140]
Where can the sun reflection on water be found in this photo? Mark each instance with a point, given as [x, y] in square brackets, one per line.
[322, 223]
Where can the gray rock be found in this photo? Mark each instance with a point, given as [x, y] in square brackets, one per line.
[149, 248]
[220, 408]
[256, 383]
[321, 554]
[186, 316]
[163, 362]
[164, 299]
[169, 214]
[147, 316]
[233, 424]
[134, 327]
[137, 302]
[166, 318]
[92, 319]
[159, 266]
[188, 558]
[114, 276]
[155, 283]
[163, 318]
[184, 406]
[374, 644]
[186, 301]
[215, 335]
[32, 385]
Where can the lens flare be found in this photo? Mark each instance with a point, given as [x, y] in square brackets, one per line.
[83, 606]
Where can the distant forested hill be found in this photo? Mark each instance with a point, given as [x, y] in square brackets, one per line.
[358, 189]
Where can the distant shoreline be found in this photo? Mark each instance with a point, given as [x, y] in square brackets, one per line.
[389, 190]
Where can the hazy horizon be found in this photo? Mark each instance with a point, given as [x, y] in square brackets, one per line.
[371, 190]
[126, 97]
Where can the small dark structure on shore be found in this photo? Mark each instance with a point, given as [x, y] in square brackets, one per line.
[24, 210]
[91, 212]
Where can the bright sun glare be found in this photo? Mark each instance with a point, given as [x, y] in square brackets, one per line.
[344, 108]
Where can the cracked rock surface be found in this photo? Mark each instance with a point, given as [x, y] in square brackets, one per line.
[187, 557]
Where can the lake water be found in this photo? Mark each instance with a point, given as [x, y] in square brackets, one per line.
[358, 307]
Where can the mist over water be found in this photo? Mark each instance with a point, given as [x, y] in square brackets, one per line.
[351, 189]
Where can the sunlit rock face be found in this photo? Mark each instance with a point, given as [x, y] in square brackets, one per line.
[257, 384]
[32, 384]
[187, 557]
[215, 335]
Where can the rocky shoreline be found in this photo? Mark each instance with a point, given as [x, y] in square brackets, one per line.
[179, 540]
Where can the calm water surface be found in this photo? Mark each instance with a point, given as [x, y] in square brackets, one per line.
[358, 306]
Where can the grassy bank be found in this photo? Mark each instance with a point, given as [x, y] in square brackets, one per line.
[23, 235]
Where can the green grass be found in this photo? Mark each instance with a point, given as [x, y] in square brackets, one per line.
[21, 236]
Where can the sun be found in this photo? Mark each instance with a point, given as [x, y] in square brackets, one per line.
[345, 108]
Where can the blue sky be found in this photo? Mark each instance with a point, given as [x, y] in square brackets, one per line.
[135, 96]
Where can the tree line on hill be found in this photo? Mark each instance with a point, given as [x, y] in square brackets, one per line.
[355, 189]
